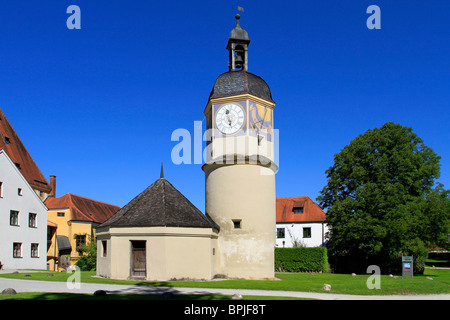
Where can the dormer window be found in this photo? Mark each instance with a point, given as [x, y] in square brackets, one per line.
[298, 210]
[7, 141]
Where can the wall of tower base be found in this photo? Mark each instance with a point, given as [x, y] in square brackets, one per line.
[241, 200]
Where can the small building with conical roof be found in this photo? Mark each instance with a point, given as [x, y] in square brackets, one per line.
[159, 235]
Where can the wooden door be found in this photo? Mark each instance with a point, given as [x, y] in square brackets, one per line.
[138, 259]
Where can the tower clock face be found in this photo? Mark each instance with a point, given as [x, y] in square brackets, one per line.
[230, 118]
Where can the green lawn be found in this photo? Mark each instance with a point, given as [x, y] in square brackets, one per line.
[340, 283]
[82, 296]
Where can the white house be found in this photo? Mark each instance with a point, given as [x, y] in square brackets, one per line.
[300, 222]
[23, 220]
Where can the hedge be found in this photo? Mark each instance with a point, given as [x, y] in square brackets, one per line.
[301, 259]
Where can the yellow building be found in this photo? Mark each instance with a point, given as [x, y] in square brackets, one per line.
[71, 223]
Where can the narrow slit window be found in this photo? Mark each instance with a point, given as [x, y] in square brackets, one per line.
[32, 220]
[35, 250]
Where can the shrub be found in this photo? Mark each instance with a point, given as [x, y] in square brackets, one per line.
[301, 259]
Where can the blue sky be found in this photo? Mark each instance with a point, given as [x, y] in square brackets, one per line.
[96, 107]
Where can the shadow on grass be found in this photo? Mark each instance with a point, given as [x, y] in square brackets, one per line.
[111, 296]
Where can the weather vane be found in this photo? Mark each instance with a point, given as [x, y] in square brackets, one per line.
[239, 7]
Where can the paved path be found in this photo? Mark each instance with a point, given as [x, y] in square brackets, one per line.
[54, 286]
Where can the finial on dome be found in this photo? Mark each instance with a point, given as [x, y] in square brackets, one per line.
[238, 42]
[162, 172]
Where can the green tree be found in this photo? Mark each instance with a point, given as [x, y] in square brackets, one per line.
[88, 261]
[377, 195]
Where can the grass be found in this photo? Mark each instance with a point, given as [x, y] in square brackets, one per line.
[128, 297]
[306, 282]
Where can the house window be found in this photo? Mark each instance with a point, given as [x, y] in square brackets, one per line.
[14, 218]
[32, 220]
[105, 248]
[237, 224]
[298, 210]
[7, 141]
[60, 214]
[80, 240]
[17, 250]
[35, 250]
[19, 191]
[280, 233]
[307, 232]
[1, 189]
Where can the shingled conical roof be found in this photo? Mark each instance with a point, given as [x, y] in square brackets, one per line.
[160, 205]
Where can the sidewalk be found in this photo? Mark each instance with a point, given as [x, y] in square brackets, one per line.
[53, 286]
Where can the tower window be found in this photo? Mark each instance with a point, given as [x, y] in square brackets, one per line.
[237, 224]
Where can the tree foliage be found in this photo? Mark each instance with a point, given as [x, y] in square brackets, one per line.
[88, 261]
[380, 199]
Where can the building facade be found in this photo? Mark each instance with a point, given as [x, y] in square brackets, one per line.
[72, 220]
[23, 220]
[300, 223]
[160, 235]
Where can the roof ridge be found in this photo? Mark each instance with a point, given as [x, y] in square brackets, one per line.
[129, 205]
[164, 199]
[75, 195]
[293, 197]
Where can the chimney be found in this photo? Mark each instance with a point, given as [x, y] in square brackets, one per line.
[53, 185]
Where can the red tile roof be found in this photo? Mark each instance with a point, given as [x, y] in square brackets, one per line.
[11, 143]
[83, 209]
[311, 211]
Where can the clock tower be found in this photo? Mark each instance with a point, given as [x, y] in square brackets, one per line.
[240, 166]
